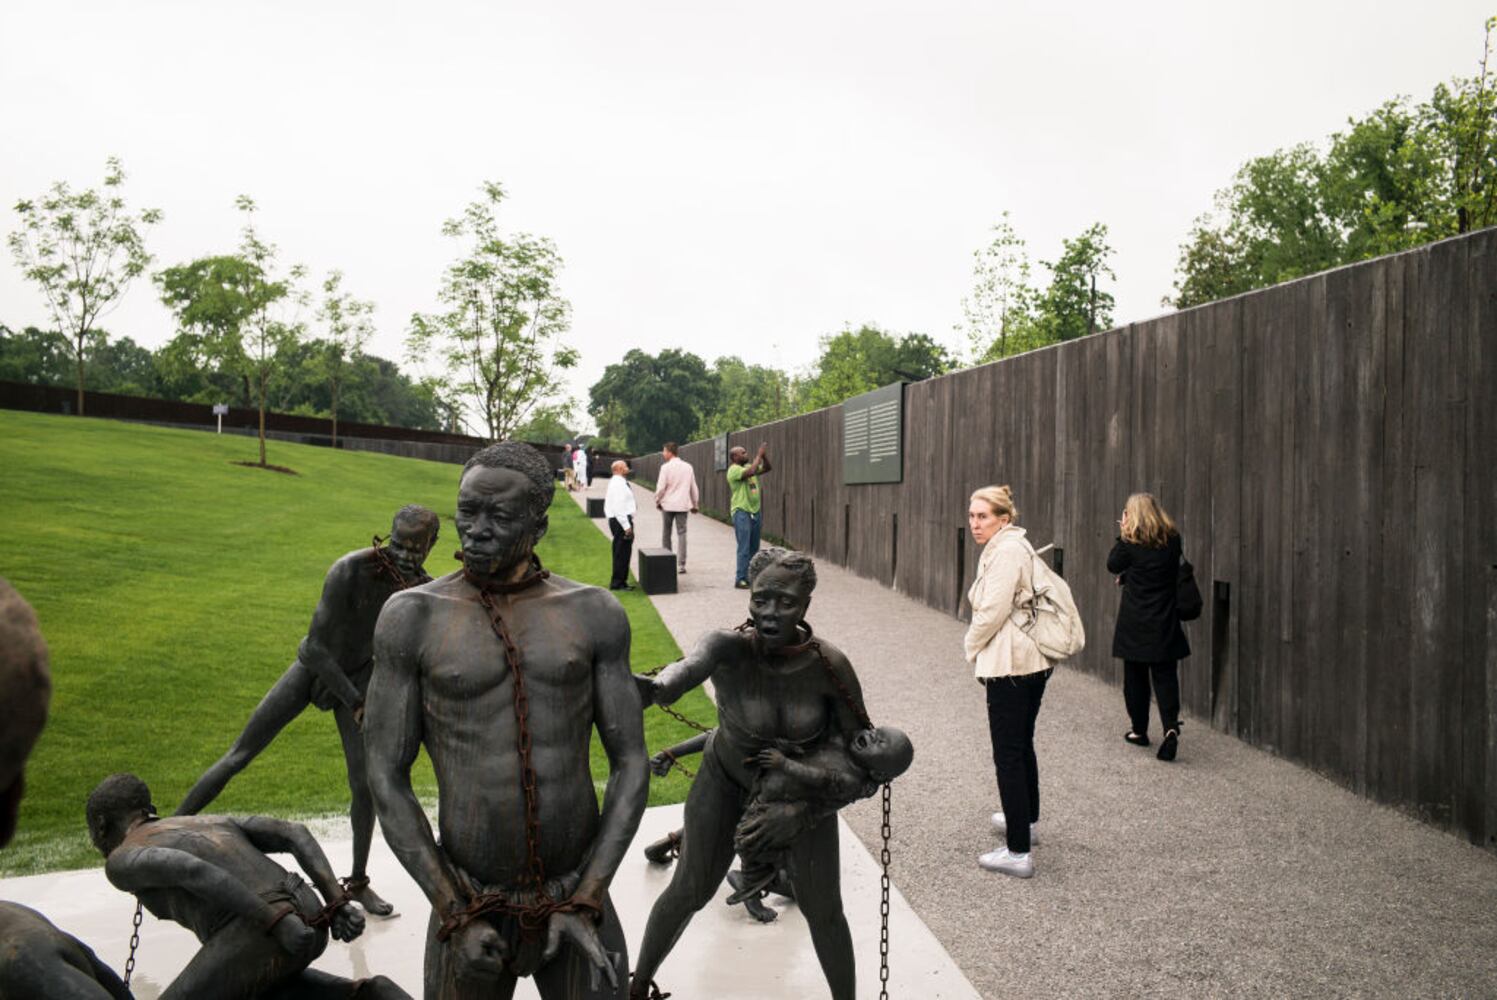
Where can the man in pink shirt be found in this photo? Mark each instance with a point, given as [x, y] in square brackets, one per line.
[675, 496]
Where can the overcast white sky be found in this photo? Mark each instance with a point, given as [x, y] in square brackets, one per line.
[725, 178]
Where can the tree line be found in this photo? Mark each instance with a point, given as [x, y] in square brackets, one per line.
[1406, 174]
[249, 329]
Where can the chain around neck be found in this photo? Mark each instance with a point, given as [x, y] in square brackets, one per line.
[536, 575]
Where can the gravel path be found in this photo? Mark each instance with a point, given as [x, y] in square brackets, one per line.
[1227, 873]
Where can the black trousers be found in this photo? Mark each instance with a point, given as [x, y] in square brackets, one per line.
[1013, 705]
[622, 545]
[1166, 682]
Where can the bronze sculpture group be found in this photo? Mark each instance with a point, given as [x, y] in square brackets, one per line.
[502, 672]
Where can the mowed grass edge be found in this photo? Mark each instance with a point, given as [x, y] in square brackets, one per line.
[173, 587]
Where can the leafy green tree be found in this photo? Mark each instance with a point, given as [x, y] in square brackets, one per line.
[549, 424]
[82, 249]
[212, 299]
[1400, 177]
[655, 398]
[498, 342]
[349, 323]
[857, 361]
[36, 357]
[999, 311]
[236, 312]
[748, 395]
[1463, 119]
[1074, 306]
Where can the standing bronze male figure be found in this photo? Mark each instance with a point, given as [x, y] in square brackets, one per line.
[331, 671]
[502, 671]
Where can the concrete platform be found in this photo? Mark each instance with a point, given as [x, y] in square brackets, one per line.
[723, 954]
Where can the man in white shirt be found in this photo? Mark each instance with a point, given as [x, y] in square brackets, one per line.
[618, 507]
[676, 495]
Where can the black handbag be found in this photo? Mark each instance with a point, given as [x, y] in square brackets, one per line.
[1188, 603]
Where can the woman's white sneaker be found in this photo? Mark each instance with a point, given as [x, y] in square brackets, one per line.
[1004, 861]
[1000, 825]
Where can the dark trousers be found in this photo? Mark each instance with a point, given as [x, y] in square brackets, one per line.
[1013, 705]
[1166, 682]
[622, 545]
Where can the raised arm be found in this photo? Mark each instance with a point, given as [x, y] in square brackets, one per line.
[316, 650]
[392, 738]
[686, 673]
[760, 464]
[1119, 559]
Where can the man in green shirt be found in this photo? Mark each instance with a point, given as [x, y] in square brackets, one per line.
[743, 483]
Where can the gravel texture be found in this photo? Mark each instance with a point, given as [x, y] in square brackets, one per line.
[1228, 872]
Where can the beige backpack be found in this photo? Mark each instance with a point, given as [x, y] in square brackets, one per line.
[1049, 617]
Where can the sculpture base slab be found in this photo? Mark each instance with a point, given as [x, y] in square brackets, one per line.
[723, 954]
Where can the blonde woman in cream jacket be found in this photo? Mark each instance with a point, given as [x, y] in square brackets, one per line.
[1011, 668]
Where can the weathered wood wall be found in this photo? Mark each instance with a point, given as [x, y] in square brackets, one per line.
[1329, 448]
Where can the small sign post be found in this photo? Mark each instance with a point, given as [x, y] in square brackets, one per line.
[219, 409]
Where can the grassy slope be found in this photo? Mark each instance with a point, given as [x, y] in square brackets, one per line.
[173, 587]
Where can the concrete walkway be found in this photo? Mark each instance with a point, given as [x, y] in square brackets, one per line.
[1226, 873]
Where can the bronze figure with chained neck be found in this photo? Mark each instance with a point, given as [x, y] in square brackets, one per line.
[502, 672]
[779, 689]
[260, 926]
[331, 671]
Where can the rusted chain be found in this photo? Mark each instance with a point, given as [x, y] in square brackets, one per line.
[532, 916]
[675, 714]
[675, 762]
[134, 941]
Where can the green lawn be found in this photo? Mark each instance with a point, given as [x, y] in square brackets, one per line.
[173, 586]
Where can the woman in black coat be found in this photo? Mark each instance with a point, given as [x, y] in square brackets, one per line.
[1149, 639]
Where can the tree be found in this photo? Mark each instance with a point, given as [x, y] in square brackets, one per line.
[1400, 177]
[1000, 307]
[748, 395]
[857, 361]
[548, 424]
[82, 249]
[212, 299]
[236, 312]
[498, 342]
[349, 323]
[36, 357]
[1073, 306]
[658, 398]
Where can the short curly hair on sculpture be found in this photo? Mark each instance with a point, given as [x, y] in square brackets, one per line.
[422, 517]
[787, 559]
[116, 796]
[522, 459]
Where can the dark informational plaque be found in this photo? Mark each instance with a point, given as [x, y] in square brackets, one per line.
[873, 436]
[720, 453]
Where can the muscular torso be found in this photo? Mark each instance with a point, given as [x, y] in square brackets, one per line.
[469, 727]
[342, 627]
[209, 838]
